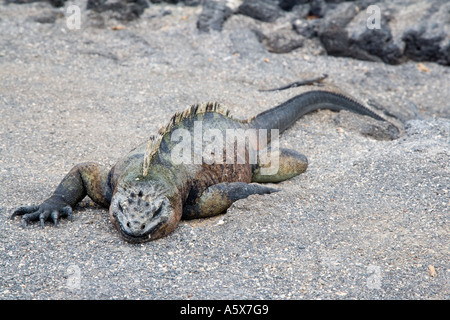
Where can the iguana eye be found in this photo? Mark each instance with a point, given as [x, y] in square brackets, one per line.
[157, 212]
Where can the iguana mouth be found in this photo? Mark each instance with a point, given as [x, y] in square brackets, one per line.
[147, 236]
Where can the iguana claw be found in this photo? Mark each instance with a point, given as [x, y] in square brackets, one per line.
[47, 210]
[54, 215]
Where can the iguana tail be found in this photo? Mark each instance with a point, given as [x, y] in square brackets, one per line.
[284, 115]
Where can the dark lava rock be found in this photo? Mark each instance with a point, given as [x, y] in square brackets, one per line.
[57, 3]
[318, 8]
[287, 5]
[306, 28]
[213, 16]
[415, 30]
[280, 41]
[54, 3]
[124, 10]
[263, 10]
[377, 44]
[167, 1]
[192, 3]
[186, 2]
[332, 31]
[429, 40]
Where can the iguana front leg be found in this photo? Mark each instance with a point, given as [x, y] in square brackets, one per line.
[219, 197]
[84, 179]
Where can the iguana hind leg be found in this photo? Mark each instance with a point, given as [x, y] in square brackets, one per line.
[219, 197]
[284, 164]
[84, 179]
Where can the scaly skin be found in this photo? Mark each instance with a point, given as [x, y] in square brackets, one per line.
[147, 193]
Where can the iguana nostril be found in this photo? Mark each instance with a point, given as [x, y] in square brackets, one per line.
[143, 227]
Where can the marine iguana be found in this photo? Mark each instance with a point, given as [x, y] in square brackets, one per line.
[147, 193]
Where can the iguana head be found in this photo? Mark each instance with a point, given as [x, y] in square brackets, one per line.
[143, 212]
